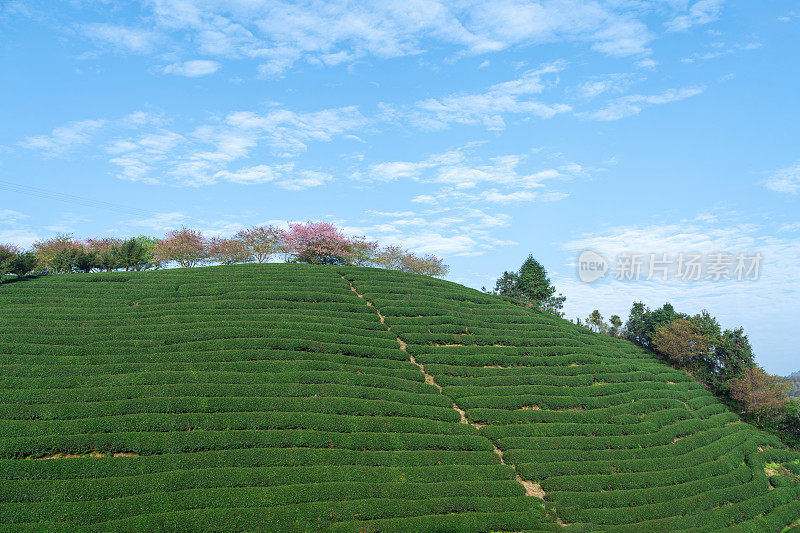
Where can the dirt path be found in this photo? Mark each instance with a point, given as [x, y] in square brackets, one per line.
[95, 455]
[531, 489]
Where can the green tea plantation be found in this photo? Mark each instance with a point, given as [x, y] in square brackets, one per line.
[285, 397]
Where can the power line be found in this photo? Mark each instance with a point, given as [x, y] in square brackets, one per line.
[37, 192]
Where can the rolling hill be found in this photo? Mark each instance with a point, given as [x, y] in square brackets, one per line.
[298, 397]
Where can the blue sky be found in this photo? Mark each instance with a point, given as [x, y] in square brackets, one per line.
[479, 131]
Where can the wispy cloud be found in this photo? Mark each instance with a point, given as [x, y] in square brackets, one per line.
[122, 38]
[19, 236]
[144, 149]
[193, 69]
[487, 108]
[612, 83]
[632, 104]
[461, 171]
[785, 180]
[284, 176]
[720, 49]
[698, 13]
[278, 34]
[64, 138]
[288, 132]
[448, 231]
[9, 216]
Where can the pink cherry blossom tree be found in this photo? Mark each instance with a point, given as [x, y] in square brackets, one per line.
[229, 251]
[261, 241]
[320, 243]
[185, 246]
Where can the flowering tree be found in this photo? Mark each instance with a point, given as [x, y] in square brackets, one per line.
[261, 242]
[106, 251]
[229, 251]
[396, 258]
[185, 246]
[363, 252]
[313, 242]
[47, 250]
[319, 243]
[759, 393]
[428, 264]
[390, 257]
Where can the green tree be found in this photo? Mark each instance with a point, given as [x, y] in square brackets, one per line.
[532, 286]
[708, 324]
[733, 354]
[66, 259]
[148, 258]
[616, 324]
[595, 320]
[131, 255]
[533, 282]
[7, 255]
[87, 261]
[642, 322]
[636, 325]
[23, 264]
[508, 285]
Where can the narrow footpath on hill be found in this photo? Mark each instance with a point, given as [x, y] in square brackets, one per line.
[531, 489]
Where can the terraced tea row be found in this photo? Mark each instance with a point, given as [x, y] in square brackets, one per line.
[615, 438]
[254, 397]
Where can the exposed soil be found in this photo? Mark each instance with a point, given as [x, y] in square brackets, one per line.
[95, 455]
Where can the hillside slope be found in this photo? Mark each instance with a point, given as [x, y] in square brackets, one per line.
[274, 397]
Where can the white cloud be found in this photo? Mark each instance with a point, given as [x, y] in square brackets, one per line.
[630, 105]
[494, 196]
[9, 216]
[193, 69]
[203, 156]
[21, 237]
[611, 83]
[508, 22]
[454, 217]
[794, 226]
[459, 172]
[253, 175]
[488, 108]
[288, 132]
[137, 40]
[304, 179]
[700, 12]
[139, 119]
[278, 34]
[448, 231]
[64, 138]
[284, 176]
[647, 62]
[720, 49]
[161, 222]
[785, 180]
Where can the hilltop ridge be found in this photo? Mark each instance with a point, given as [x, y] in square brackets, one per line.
[345, 398]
